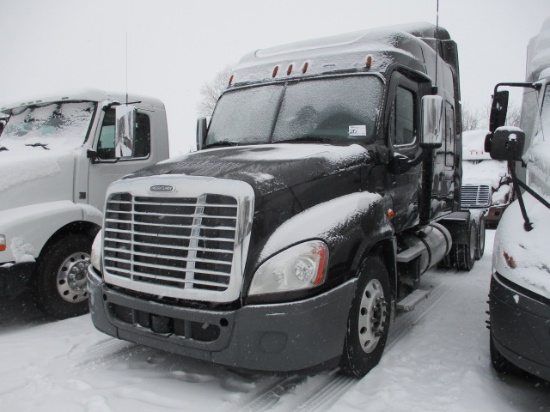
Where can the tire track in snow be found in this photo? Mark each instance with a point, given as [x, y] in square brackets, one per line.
[320, 392]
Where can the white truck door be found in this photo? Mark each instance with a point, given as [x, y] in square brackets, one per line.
[108, 166]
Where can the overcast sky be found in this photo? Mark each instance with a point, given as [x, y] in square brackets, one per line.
[176, 46]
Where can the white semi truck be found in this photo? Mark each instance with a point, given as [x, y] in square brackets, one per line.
[58, 154]
[520, 285]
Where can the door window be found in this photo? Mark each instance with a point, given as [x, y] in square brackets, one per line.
[402, 124]
[142, 136]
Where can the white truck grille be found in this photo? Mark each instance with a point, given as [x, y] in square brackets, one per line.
[181, 247]
[476, 196]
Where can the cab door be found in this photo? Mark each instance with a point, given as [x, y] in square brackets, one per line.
[111, 161]
[405, 165]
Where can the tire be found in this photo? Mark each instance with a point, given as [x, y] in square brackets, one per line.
[60, 282]
[368, 320]
[465, 254]
[480, 249]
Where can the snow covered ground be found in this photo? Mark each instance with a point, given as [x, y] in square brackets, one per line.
[437, 359]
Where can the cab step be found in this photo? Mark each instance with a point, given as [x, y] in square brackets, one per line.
[410, 302]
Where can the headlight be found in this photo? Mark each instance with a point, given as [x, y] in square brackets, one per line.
[300, 267]
[95, 258]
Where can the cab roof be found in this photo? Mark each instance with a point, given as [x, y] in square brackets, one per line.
[414, 45]
[93, 95]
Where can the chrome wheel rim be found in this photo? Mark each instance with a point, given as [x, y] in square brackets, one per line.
[372, 316]
[71, 277]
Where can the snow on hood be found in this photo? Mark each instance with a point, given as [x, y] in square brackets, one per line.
[528, 262]
[34, 175]
[267, 168]
[321, 221]
[489, 172]
[521, 256]
[478, 168]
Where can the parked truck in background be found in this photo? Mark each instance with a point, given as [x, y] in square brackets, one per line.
[326, 183]
[486, 182]
[58, 154]
[519, 300]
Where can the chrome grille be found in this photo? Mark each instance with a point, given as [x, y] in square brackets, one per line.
[178, 243]
[475, 196]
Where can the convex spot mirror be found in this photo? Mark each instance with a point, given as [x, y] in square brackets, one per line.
[124, 131]
[507, 143]
[432, 122]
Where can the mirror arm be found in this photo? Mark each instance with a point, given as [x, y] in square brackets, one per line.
[527, 225]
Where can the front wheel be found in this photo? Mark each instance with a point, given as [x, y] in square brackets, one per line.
[60, 284]
[368, 321]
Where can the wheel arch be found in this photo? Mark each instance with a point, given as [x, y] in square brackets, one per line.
[386, 250]
[78, 227]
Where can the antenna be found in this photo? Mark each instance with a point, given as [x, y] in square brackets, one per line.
[434, 86]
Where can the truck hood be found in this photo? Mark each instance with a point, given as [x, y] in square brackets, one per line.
[267, 168]
[33, 175]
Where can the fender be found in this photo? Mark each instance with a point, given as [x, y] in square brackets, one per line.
[350, 225]
[28, 228]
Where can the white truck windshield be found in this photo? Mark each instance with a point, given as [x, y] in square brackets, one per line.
[339, 110]
[57, 125]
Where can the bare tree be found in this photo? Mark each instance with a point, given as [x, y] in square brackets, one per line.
[471, 119]
[212, 90]
[513, 116]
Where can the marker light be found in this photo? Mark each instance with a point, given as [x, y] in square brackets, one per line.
[231, 79]
[289, 69]
[2, 243]
[302, 266]
[368, 61]
[304, 67]
[275, 70]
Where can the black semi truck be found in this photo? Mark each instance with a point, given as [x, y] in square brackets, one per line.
[327, 181]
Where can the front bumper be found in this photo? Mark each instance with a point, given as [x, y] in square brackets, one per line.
[275, 337]
[15, 277]
[520, 326]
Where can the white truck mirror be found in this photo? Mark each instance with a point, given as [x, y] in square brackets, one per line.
[432, 122]
[124, 131]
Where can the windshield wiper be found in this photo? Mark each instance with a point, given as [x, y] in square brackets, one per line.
[42, 145]
[222, 143]
[2, 148]
[312, 139]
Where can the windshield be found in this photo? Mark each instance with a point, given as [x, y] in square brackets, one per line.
[340, 110]
[56, 125]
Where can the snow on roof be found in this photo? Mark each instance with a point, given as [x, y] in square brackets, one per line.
[94, 95]
[538, 54]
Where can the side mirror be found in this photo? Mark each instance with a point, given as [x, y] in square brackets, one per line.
[124, 131]
[499, 110]
[202, 128]
[507, 143]
[432, 122]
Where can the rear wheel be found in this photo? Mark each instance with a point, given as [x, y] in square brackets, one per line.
[465, 254]
[60, 283]
[368, 321]
[480, 249]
